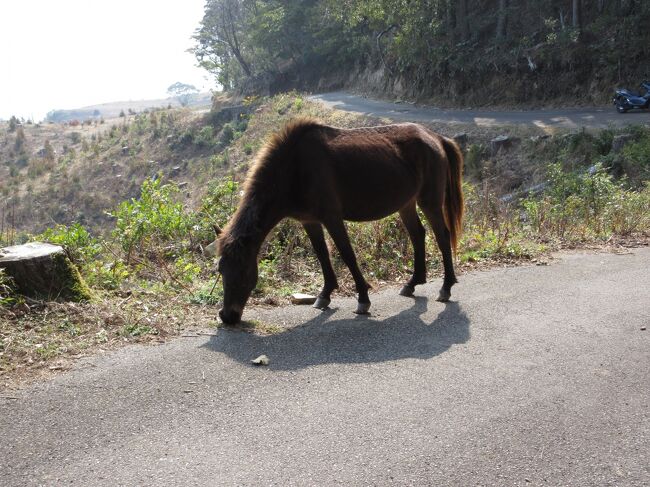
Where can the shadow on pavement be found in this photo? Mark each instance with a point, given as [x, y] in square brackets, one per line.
[324, 340]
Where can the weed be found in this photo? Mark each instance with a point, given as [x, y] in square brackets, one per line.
[210, 293]
[8, 295]
[136, 330]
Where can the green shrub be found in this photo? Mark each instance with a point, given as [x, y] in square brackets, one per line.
[105, 275]
[185, 270]
[155, 218]
[13, 123]
[75, 137]
[204, 138]
[81, 246]
[580, 205]
[474, 157]
[219, 203]
[604, 141]
[636, 163]
[7, 290]
[227, 135]
[210, 293]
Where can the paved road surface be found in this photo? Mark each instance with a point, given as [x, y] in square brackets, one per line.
[532, 376]
[597, 117]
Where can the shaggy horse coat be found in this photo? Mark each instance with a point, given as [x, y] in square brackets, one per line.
[322, 176]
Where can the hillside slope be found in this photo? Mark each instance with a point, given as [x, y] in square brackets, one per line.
[62, 173]
[113, 109]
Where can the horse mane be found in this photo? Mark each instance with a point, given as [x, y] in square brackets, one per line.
[265, 175]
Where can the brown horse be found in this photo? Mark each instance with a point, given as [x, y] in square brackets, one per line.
[321, 176]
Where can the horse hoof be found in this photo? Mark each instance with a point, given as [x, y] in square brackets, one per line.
[322, 303]
[362, 308]
[407, 291]
[444, 296]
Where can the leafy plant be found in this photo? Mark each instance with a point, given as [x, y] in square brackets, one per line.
[154, 218]
[7, 290]
[81, 246]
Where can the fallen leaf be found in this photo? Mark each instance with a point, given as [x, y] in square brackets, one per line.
[261, 360]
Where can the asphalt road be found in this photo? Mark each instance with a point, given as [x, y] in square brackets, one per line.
[567, 118]
[531, 376]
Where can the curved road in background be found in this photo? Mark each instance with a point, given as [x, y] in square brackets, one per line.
[566, 118]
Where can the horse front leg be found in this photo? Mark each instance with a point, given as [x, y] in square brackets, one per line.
[317, 239]
[414, 227]
[339, 234]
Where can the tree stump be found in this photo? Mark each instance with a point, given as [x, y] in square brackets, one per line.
[502, 143]
[44, 271]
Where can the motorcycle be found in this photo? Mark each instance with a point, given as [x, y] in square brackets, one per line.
[627, 100]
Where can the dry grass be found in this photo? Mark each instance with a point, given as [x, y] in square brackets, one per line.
[88, 177]
[38, 338]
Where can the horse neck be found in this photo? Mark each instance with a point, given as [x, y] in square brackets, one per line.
[255, 219]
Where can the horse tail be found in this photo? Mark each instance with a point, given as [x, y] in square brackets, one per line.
[454, 206]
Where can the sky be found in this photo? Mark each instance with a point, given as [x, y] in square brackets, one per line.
[62, 54]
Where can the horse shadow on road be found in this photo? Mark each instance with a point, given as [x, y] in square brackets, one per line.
[362, 339]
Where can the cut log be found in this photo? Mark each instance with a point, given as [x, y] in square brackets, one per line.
[43, 271]
[502, 143]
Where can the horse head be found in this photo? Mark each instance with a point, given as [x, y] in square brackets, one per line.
[238, 268]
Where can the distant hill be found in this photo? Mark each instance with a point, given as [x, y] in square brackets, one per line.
[113, 109]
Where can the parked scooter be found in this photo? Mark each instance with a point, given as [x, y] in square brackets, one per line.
[627, 100]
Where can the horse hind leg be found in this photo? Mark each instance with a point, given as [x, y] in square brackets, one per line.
[436, 220]
[339, 234]
[414, 227]
[317, 239]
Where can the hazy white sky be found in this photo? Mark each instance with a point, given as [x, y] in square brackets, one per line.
[71, 53]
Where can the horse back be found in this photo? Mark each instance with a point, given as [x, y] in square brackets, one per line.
[362, 174]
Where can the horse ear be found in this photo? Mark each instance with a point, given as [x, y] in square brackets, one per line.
[217, 230]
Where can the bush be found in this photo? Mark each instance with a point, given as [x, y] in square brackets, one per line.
[105, 275]
[7, 290]
[19, 144]
[218, 205]
[75, 137]
[155, 218]
[204, 138]
[227, 135]
[582, 205]
[636, 162]
[81, 246]
[13, 123]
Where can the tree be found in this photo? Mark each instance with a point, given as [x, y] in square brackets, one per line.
[221, 40]
[432, 46]
[48, 151]
[183, 92]
[461, 19]
[502, 19]
[577, 14]
[20, 140]
[13, 123]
